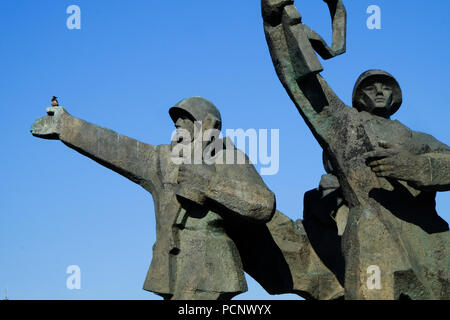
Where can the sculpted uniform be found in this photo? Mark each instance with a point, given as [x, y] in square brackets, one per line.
[199, 254]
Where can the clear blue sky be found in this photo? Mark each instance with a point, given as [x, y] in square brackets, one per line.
[127, 65]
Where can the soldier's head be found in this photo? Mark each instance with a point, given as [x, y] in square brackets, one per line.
[378, 93]
[193, 111]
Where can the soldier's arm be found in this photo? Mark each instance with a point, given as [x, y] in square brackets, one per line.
[435, 157]
[425, 143]
[438, 173]
[235, 187]
[122, 154]
[297, 65]
[425, 167]
[239, 188]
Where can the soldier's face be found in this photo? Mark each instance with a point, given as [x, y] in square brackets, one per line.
[378, 98]
[184, 123]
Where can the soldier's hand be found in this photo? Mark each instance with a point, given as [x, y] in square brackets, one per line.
[391, 161]
[49, 127]
[193, 181]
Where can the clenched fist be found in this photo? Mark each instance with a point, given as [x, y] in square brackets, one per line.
[194, 181]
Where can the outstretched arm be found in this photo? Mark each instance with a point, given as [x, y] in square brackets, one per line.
[297, 65]
[126, 156]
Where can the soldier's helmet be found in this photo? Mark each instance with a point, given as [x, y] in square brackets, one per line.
[197, 108]
[383, 77]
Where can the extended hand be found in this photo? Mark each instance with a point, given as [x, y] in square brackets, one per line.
[49, 127]
[391, 161]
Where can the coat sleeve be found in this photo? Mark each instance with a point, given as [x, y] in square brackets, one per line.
[238, 187]
[131, 158]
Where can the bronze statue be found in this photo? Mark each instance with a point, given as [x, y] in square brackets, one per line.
[193, 257]
[389, 174]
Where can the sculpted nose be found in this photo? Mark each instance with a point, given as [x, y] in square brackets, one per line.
[379, 90]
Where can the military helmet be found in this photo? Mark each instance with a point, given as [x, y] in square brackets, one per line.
[384, 77]
[195, 107]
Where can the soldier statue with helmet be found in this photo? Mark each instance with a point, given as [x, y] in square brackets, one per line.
[387, 173]
[193, 257]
